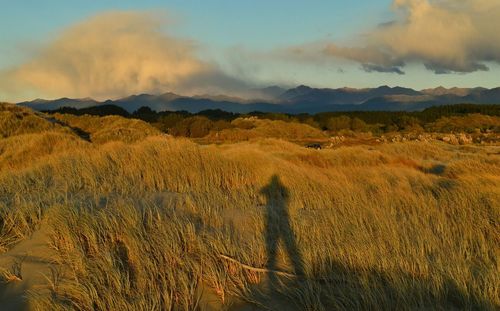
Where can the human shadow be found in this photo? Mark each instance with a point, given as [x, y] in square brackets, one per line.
[278, 229]
[338, 286]
[331, 284]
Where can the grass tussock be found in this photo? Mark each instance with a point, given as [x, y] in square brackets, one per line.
[141, 226]
[109, 128]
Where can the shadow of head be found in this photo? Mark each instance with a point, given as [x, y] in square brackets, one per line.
[437, 169]
[275, 191]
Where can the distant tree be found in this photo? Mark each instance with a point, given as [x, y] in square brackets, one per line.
[310, 121]
[276, 116]
[144, 110]
[389, 128]
[168, 121]
[146, 114]
[338, 123]
[358, 125]
[217, 114]
[194, 127]
[407, 123]
[183, 123]
[221, 125]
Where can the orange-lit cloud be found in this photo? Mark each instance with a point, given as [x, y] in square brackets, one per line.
[444, 35]
[115, 54]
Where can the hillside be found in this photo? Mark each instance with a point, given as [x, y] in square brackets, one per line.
[162, 223]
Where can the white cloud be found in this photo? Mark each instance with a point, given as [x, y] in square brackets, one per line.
[115, 54]
[444, 35]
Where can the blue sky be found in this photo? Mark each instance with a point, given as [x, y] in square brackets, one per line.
[221, 22]
[225, 30]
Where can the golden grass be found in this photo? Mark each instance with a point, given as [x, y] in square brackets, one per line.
[18, 150]
[141, 226]
[16, 120]
[109, 128]
[254, 128]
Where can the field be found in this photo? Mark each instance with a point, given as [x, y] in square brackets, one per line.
[109, 213]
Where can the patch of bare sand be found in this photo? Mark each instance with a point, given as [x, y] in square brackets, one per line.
[30, 265]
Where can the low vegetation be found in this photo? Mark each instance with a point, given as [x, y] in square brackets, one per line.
[140, 220]
[442, 119]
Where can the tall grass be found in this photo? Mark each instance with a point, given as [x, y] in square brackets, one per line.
[142, 226]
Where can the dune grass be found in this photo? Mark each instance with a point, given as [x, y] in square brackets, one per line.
[16, 120]
[110, 128]
[142, 226]
[253, 129]
[18, 150]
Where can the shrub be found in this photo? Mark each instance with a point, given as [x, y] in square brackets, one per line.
[194, 127]
[358, 125]
[338, 123]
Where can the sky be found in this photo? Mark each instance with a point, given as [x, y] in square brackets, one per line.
[113, 48]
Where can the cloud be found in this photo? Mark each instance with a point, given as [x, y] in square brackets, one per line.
[378, 68]
[370, 59]
[112, 55]
[445, 35]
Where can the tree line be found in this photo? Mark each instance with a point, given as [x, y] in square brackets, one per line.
[183, 123]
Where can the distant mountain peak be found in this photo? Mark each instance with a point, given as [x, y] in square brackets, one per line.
[297, 91]
[303, 88]
[272, 88]
[169, 96]
[456, 91]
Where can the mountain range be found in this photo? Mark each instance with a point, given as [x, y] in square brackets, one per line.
[301, 99]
